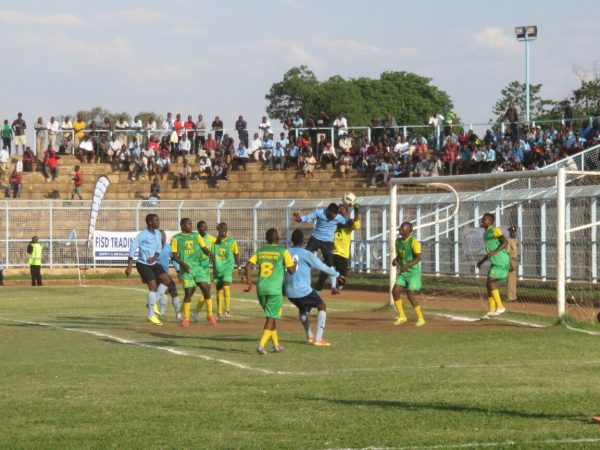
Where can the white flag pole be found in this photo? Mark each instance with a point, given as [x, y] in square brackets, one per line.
[77, 257]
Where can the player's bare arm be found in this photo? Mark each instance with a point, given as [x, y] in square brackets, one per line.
[129, 267]
[183, 266]
[415, 261]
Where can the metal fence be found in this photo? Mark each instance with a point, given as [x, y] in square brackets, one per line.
[248, 220]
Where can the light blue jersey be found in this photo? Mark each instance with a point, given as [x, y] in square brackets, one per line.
[324, 228]
[297, 285]
[150, 245]
[165, 258]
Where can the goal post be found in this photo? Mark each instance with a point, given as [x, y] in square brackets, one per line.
[554, 211]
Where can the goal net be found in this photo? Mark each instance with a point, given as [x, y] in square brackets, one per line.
[553, 245]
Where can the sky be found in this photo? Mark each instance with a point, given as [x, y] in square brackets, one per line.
[220, 58]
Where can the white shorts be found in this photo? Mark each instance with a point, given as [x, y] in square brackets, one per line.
[21, 140]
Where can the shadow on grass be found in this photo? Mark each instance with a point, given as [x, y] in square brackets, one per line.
[450, 407]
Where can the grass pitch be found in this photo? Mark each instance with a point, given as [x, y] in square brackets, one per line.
[82, 369]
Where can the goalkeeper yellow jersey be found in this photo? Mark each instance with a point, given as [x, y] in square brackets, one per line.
[343, 237]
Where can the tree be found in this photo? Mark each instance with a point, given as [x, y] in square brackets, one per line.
[514, 92]
[99, 114]
[585, 97]
[145, 116]
[408, 97]
[289, 96]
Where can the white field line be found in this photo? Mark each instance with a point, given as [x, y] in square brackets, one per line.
[480, 444]
[319, 372]
[569, 327]
[478, 319]
[152, 346]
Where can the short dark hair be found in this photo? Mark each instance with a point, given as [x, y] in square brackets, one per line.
[333, 207]
[297, 237]
[200, 222]
[407, 224]
[184, 220]
[491, 216]
[150, 218]
[271, 235]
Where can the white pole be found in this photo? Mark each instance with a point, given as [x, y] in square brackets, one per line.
[560, 240]
[392, 238]
[77, 257]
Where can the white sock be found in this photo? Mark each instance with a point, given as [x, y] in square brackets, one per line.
[176, 304]
[321, 318]
[305, 322]
[333, 281]
[162, 289]
[151, 302]
[162, 304]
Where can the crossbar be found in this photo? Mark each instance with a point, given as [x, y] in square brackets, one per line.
[476, 177]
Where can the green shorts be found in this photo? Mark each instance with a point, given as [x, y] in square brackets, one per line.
[272, 305]
[224, 275]
[498, 272]
[196, 275]
[410, 282]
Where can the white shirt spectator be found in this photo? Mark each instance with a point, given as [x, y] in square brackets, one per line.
[185, 146]
[115, 146]
[480, 155]
[341, 124]
[121, 125]
[4, 156]
[148, 153]
[19, 166]
[436, 121]
[151, 125]
[137, 124]
[87, 145]
[255, 145]
[66, 125]
[401, 147]
[265, 128]
[53, 127]
[204, 164]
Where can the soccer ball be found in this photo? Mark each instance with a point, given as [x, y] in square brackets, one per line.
[349, 199]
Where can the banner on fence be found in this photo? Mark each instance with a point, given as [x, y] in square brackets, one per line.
[114, 245]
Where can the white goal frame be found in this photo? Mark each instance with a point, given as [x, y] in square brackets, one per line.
[560, 176]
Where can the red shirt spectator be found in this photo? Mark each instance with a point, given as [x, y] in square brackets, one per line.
[178, 125]
[77, 178]
[51, 159]
[210, 143]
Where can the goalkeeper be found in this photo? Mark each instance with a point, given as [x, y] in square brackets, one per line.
[495, 245]
[342, 239]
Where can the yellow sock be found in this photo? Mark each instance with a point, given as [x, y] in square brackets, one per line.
[492, 304]
[497, 299]
[265, 337]
[419, 313]
[274, 338]
[400, 309]
[186, 310]
[199, 305]
[220, 301]
[209, 307]
[227, 298]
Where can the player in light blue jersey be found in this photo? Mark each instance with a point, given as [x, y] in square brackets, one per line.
[326, 222]
[149, 244]
[301, 294]
[164, 259]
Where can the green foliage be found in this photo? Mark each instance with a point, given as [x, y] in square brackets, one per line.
[514, 92]
[99, 114]
[407, 97]
[145, 116]
[586, 96]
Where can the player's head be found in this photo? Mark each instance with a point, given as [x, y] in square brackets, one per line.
[202, 227]
[297, 238]
[34, 239]
[163, 237]
[272, 236]
[343, 210]
[186, 225]
[405, 229]
[222, 229]
[152, 221]
[332, 211]
[488, 220]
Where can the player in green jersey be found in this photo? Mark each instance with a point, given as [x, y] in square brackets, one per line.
[226, 259]
[188, 250]
[272, 260]
[495, 246]
[408, 260]
[205, 300]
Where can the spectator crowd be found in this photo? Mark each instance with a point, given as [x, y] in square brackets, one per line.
[377, 152]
